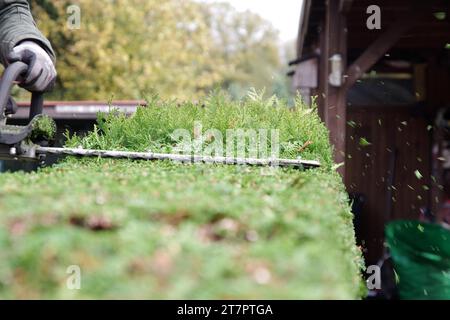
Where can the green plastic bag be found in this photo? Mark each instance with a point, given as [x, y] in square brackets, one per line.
[421, 255]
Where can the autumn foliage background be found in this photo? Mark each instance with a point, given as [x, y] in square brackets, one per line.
[127, 49]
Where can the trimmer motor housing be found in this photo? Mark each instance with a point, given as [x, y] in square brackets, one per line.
[15, 140]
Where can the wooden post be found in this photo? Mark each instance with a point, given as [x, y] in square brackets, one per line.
[322, 93]
[333, 98]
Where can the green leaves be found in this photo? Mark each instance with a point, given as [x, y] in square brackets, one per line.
[180, 49]
[44, 127]
[363, 142]
[164, 230]
[172, 231]
[153, 127]
[418, 174]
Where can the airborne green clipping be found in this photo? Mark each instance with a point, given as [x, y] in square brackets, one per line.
[182, 231]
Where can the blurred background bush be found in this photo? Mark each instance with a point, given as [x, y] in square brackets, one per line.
[126, 49]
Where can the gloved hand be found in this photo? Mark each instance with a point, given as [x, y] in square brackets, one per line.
[41, 73]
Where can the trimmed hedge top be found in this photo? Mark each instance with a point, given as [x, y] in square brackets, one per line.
[170, 230]
[154, 128]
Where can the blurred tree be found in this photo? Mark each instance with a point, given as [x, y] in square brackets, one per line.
[246, 45]
[182, 49]
[126, 47]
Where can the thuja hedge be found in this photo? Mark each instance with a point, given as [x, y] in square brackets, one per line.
[172, 230]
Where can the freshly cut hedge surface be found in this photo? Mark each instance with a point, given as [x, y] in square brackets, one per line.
[172, 230]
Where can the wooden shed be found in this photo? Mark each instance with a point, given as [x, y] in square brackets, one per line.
[380, 74]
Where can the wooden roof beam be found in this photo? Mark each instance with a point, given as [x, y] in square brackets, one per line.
[377, 50]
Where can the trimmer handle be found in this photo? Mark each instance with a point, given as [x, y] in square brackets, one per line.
[7, 81]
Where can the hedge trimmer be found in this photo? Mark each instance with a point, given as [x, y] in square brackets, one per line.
[30, 142]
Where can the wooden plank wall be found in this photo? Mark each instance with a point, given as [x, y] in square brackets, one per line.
[438, 96]
[403, 131]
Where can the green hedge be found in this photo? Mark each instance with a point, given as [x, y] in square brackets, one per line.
[170, 230]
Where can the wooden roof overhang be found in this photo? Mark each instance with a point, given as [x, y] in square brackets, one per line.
[428, 23]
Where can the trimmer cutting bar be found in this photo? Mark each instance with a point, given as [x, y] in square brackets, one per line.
[178, 157]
